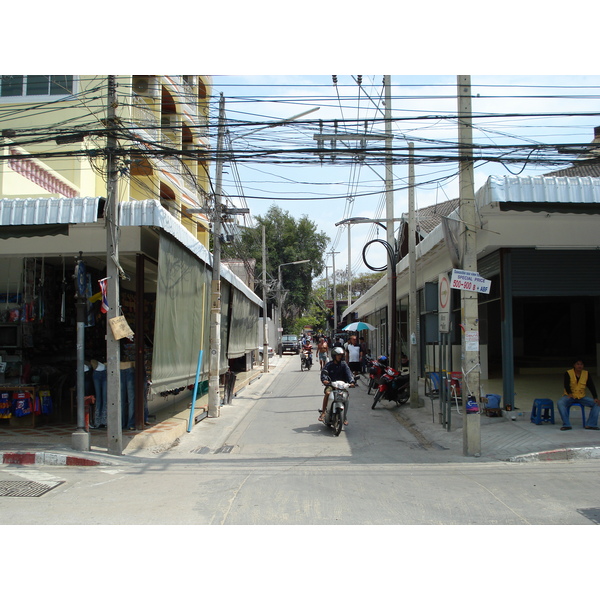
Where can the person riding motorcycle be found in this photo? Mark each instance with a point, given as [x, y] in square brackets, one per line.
[335, 370]
[307, 347]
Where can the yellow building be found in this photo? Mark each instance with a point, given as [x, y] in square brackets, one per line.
[54, 213]
[43, 116]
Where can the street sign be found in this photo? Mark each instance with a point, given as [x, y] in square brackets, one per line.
[444, 303]
[329, 303]
[469, 281]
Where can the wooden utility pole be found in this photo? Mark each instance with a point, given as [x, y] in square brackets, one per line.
[469, 303]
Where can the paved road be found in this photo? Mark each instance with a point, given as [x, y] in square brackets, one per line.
[268, 460]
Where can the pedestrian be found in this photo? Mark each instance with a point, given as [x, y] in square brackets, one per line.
[322, 349]
[576, 380]
[353, 354]
[363, 349]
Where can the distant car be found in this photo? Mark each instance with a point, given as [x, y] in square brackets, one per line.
[270, 352]
[290, 343]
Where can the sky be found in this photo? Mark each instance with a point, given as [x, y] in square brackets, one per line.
[426, 106]
[269, 48]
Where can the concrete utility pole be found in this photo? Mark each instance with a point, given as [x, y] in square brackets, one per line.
[335, 322]
[111, 219]
[469, 305]
[80, 438]
[214, 402]
[412, 268]
[264, 286]
[389, 218]
[349, 266]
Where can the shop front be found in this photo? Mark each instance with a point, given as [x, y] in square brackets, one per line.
[164, 298]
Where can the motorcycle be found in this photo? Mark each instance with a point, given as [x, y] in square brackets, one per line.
[305, 359]
[337, 406]
[393, 386]
[376, 370]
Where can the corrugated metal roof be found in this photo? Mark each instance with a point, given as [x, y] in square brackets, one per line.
[149, 213]
[45, 211]
[519, 189]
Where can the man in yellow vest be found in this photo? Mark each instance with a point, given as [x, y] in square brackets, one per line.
[575, 382]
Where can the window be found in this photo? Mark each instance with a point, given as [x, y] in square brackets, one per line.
[35, 85]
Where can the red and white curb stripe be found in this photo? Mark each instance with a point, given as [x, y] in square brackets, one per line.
[559, 454]
[46, 458]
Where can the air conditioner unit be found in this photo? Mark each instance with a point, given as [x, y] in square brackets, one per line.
[145, 85]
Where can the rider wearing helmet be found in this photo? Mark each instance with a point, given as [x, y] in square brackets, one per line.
[335, 370]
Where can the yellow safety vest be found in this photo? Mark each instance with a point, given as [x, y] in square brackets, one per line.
[577, 387]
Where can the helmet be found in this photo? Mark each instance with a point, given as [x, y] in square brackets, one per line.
[382, 359]
[336, 350]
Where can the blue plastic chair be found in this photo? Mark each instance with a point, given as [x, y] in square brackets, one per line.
[542, 411]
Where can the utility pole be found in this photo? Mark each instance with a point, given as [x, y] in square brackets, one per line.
[412, 268]
[335, 322]
[349, 267]
[111, 218]
[214, 403]
[469, 304]
[389, 216]
[264, 287]
[80, 438]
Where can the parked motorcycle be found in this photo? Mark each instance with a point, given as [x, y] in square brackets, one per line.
[393, 386]
[305, 360]
[376, 370]
[337, 406]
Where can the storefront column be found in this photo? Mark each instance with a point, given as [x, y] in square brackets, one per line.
[506, 311]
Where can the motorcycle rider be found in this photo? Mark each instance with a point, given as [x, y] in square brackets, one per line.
[307, 347]
[335, 370]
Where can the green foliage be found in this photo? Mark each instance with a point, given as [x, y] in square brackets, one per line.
[287, 240]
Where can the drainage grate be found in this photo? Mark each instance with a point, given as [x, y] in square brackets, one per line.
[26, 489]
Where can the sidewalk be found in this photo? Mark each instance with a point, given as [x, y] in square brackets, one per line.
[511, 437]
[51, 444]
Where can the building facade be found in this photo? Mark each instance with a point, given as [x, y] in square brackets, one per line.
[538, 244]
[53, 190]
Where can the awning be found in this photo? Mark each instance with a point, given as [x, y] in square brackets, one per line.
[32, 217]
[50, 211]
[151, 213]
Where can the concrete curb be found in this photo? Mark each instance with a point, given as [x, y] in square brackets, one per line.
[48, 458]
[559, 454]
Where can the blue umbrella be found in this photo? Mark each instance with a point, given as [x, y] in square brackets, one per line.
[358, 326]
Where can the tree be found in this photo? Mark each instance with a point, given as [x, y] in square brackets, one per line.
[287, 240]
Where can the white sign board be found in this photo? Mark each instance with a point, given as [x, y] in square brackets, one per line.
[469, 281]
[444, 303]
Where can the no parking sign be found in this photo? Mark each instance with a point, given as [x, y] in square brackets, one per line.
[444, 303]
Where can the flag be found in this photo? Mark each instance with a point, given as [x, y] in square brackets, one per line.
[104, 306]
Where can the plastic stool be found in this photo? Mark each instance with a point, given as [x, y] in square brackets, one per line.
[582, 411]
[542, 404]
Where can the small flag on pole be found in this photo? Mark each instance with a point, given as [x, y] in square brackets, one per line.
[104, 305]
